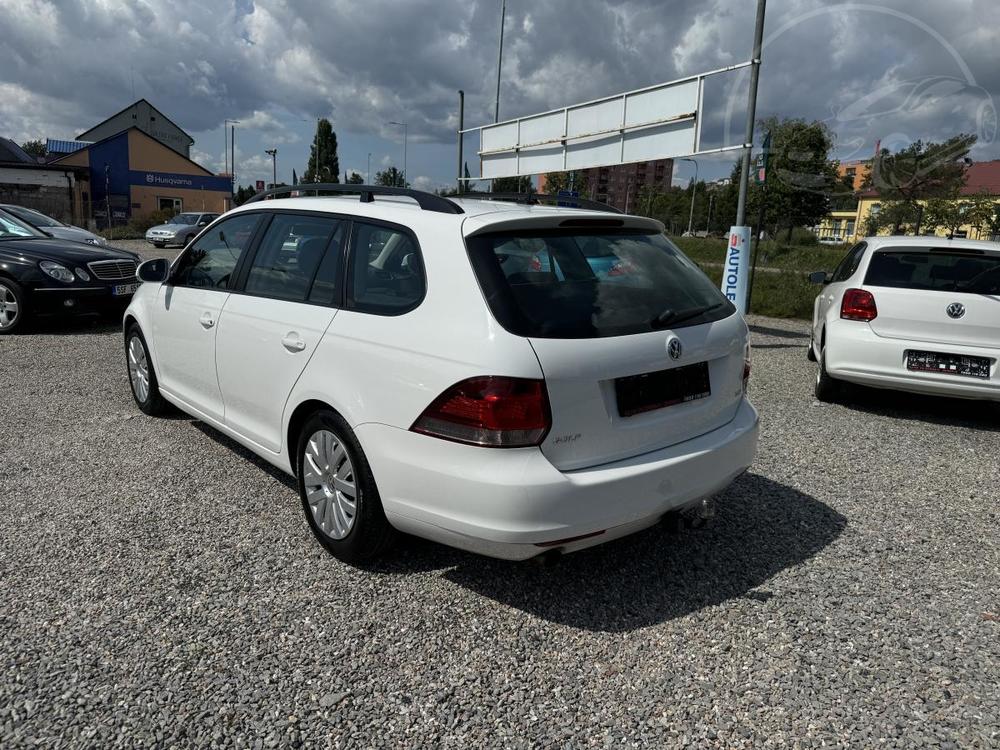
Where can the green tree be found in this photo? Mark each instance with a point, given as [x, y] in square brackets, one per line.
[897, 216]
[513, 185]
[921, 171]
[355, 179]
[243, 194]
[35, 147]
[391, 177]
[944, 213]
[800, 176]
[323, 166]
[556, 181]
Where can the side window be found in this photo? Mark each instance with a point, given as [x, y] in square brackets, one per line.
[850, 263]
[211, 261]
[290, 255]
[387, 274]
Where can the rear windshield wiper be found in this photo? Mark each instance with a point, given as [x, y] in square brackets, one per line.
[671, 316]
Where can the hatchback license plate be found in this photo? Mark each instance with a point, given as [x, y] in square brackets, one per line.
[656, 390]
[122, 289]
[948, 364]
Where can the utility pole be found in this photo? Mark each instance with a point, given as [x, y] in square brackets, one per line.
[758, 38]
[503, 16]
[402, 177]
[273, 153]
[368, 179]
[694, 189]
[461, 127]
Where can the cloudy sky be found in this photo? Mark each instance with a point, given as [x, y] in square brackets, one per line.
[895, 71]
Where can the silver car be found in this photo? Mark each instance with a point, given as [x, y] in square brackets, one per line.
[179, 230]
[52, 226]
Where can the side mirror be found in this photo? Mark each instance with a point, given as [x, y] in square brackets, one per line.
[155, 270]
[819, 277]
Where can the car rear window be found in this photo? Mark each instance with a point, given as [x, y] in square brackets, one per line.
[573, 284]
[971, 271]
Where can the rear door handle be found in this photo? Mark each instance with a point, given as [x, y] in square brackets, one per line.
[206, 320]
[292, 342]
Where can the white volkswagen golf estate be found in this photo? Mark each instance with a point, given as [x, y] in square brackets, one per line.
[918, 314]
[508, 379]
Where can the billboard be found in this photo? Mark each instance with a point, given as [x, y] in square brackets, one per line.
[657, 122]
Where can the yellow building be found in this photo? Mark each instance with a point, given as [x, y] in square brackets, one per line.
[849, 226]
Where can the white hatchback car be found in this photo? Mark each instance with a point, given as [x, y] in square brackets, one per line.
[508, 379]
[919, 314]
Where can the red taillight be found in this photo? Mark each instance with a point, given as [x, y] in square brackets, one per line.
[858, 304]
[491, 411]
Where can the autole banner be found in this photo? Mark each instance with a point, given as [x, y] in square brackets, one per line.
[736, 271]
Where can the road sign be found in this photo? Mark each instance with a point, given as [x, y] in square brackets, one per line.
[568, 198]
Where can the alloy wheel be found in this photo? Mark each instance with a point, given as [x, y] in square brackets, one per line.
[328, 478]
[9, 309]
[138, 369]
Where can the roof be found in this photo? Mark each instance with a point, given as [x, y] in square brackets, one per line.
[54, 146]
[144, 134]
[11, 152]
[477, 216]
[126, 109]
[982, 177]
[896, 240]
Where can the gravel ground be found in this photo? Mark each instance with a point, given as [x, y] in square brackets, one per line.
[161, 587]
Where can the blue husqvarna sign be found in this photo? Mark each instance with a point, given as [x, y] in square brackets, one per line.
[736, 271]
[183, 181]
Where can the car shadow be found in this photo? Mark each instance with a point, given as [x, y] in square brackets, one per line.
[940, 410]
[778, 332]
[83, 325]
[761, 528]
[248, 455]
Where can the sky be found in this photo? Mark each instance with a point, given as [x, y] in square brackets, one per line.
[892, 71]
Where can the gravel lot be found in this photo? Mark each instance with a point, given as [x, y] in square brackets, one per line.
[161, 587]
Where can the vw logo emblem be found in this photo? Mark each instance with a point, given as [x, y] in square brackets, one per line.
[955, 310]
[674, 348]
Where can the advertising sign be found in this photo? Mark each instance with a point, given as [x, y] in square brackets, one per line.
[736, 270]
[260, 186]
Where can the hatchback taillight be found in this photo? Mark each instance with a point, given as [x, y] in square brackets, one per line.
[858, 304]
[492, 411]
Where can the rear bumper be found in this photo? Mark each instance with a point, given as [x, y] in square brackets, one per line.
[513, 504]
[855, 354]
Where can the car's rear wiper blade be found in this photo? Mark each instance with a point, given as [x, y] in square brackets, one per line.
[671, 316]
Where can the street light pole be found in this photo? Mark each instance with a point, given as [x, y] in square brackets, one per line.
[368, 179]
[273, 153]
[503, 16]
[402, 177]
[694, 189]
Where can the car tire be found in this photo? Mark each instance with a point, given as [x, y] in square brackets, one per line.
[331, 465]
[159, 244]
[13, 313]
[828, 390]
[811, 352]
[141, 375]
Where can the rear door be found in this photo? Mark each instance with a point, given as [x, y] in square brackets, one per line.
[941, 296]
[272, 325]
[189, 309]
[634, 360]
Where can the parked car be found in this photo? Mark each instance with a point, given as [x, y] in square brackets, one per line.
[919, 314]
[41, 275]
[180, 230]
[53, 227]
[386, 355]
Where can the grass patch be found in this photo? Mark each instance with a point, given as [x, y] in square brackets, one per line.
[773, 254]
[781, 294]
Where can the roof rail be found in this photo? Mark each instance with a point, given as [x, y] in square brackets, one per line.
[536, 198]
[426, 201]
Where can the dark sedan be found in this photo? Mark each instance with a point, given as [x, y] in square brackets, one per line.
[40, 275]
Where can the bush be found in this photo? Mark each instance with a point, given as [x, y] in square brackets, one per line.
[136, 228]
[777, 294]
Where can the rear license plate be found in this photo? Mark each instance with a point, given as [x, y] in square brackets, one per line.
[656, 390]
[948, 364]
[122, 289]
